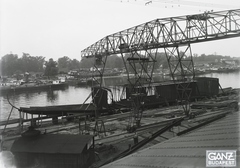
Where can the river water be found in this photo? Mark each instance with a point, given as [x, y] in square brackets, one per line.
[77, 95]
[227, 79]
[67, 96]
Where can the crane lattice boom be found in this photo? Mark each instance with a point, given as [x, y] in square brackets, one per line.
[169, 32]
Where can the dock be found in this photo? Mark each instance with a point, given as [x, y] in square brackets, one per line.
[113, 141]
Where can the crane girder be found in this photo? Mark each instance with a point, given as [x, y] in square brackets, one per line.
[169, 32]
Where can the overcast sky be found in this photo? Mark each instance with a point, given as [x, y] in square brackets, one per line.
[57, 28]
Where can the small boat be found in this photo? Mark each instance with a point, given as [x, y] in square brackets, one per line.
[81, 82]
[92, 81]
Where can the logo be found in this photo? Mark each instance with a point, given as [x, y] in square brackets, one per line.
[221, 158]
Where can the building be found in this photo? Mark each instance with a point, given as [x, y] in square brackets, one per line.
[54, 151]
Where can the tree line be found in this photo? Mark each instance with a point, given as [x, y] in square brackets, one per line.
[12, 64]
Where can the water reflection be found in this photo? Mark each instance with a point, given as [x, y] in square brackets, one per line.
[52, 96]
[41, 98]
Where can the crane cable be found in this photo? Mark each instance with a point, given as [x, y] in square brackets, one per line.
[180, 4]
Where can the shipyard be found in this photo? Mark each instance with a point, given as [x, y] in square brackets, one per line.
[139, 97]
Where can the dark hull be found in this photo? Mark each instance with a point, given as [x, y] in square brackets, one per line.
[62, 109]
[167, 95]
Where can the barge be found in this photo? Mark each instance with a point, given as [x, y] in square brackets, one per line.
[30, 86]
[103, 102]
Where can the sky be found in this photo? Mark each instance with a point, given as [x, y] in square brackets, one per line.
[57, 28]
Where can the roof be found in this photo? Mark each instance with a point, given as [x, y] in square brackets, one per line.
[188, 150]
[52, 143]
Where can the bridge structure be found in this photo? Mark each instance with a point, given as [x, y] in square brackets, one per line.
[174, 35]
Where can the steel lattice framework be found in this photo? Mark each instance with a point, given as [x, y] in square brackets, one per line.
[169, 32]
[174, 35]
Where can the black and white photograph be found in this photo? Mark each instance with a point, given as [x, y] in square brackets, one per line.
[119, 83]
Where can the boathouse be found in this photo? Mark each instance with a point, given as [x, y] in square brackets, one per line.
[54, 151]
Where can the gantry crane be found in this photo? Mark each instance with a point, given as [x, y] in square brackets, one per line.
[175, 35]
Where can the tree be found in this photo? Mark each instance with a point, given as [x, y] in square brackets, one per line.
[114, 62]
[51, 68]
[9, 63]
[63, 64]
[87, 62]
[30, 63]
[40, 62]
[74, 64]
